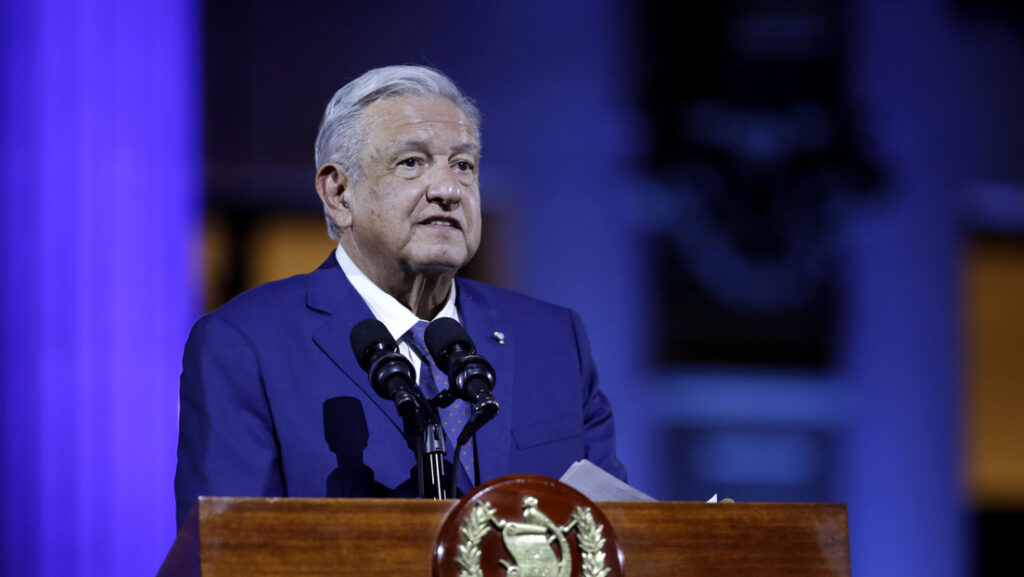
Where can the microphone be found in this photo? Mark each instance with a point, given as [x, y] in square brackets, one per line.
[392, 377]
[391, 374]
[469, 374]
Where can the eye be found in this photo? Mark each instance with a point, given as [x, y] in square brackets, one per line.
[411, 162]
[464, 165]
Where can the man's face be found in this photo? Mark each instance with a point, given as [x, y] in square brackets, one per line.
[417, 208]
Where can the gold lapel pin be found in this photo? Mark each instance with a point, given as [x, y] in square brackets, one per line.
[500, 337]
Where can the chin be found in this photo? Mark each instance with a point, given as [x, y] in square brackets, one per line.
[446, 262]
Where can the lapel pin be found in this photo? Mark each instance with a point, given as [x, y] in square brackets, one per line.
[500, 337]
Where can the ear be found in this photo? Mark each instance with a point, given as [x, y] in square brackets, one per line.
[332, 188]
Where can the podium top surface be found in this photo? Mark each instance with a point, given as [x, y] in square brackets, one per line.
[385, 537]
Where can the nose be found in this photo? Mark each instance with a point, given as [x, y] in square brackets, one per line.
[444, 187]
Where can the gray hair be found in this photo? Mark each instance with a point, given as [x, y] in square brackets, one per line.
[342, 135]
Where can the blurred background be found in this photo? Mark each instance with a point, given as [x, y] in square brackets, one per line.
[794, 229]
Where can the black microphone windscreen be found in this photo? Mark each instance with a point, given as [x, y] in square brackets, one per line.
[368, 337]
[441, 335]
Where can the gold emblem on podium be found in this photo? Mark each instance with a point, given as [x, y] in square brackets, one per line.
[527, 542]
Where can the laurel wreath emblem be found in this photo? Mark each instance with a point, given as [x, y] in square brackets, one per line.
[474, 528]
[589, 537]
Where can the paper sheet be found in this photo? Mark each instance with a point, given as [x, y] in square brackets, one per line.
[599, 485]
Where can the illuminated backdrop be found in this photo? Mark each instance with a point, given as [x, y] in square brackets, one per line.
[101, 204]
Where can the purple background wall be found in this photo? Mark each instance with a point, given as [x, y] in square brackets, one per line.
[101, 166]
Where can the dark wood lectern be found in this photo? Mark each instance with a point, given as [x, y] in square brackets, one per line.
[396, 537]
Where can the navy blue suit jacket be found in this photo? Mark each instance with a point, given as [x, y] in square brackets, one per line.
[273, 402]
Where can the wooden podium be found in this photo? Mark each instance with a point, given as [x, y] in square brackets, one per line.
[397, 537]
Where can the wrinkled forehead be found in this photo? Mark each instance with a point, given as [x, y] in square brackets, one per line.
[402, 116]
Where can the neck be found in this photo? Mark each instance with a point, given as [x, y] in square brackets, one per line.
[423, 292]
[424, 295]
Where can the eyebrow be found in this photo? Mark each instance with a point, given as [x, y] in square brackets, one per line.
[407, 145]
[466, 147]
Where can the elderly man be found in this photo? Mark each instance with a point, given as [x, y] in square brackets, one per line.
[273, 401]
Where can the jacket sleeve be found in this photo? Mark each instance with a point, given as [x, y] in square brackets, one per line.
[226, 440]
[598, 423]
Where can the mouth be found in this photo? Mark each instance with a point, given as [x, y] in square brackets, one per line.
[441, 221]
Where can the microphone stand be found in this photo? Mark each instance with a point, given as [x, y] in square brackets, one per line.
[430, 451]
[392, 377]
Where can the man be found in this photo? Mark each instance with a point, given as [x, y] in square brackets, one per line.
[273, 402]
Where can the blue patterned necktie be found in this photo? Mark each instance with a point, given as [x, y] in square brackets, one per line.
[432, 380]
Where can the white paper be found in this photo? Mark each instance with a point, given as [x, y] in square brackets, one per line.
[599, 485]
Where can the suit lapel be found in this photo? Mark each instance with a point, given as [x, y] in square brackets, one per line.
[494, 342]
[330, 292]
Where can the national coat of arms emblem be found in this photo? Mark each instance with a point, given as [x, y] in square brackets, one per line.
[528, 543]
